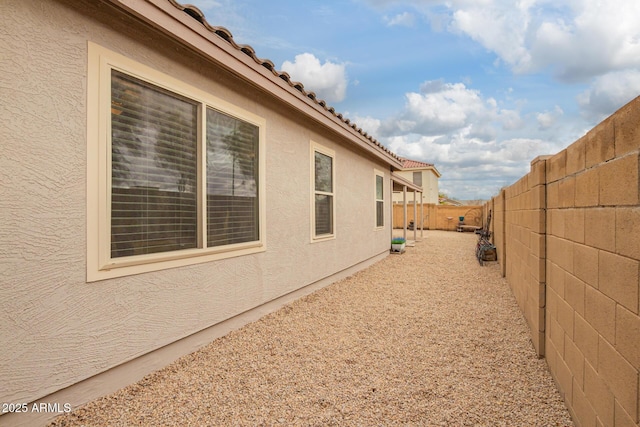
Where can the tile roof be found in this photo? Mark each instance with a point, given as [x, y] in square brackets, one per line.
[226, 35]
[408, 164]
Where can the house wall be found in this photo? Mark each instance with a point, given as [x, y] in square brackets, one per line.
[58, 330]
[570, 248]
[429, 186]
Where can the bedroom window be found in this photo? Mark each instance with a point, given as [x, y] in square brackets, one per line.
[323, 181]
[175, 175]
[379, 198]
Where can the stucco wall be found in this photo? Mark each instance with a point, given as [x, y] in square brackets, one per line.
[429, 186]
[571, 253]
[56, 328]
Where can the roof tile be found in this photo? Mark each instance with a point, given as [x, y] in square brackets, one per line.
[226, 35]
[408, 164]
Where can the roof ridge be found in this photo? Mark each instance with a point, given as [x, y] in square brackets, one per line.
[226, 35]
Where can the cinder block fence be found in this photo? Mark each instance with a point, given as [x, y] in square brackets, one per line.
[568, 240]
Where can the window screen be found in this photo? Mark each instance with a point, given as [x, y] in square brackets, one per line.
[323, 194]
[153, 168]
[232, 180]
[379, 201]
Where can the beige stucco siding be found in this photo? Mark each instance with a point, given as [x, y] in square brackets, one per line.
[56, 328]
[429, 186]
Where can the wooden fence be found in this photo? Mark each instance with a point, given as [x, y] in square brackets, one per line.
[438, 217]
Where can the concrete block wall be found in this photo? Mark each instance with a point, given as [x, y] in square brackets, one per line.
[497, 228]
[572, 229]
[519, 235]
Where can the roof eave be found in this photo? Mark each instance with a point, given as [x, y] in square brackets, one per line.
[433, 168]
[169, 17]
[402, 181]
[436, 171]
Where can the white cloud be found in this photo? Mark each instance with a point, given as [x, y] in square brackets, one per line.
[511, 120]
[594, 39]
[477, 144]
[328, 80]
[438, 108]
[442, 108]
[472, 169]
[480, 144]
[481, 132]
[547, 119]
[608, 93]
[368, 124]
[577, 39]
[404, 19]
[497, 28]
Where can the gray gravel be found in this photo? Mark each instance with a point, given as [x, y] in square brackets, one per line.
[428, 337]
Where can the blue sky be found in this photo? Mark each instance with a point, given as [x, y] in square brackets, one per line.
[477, 87]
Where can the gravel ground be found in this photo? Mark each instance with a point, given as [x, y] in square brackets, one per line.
[428, 337]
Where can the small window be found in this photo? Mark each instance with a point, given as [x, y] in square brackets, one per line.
[417, 178]
[379, 197]
[323, 192]
[174, 176]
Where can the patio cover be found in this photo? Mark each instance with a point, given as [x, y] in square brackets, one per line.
[401, 184]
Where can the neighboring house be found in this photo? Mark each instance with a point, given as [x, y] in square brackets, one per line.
[422, 174]
[161, 185]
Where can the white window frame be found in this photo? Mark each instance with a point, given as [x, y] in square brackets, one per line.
[317, 148]
[376, 174]
[100, 265]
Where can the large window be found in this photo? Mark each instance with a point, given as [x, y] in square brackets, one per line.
[379, 197]
[323, 192]
[175, 175]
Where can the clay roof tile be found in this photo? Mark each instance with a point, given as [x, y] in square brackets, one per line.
[226, 35]
[409, 164]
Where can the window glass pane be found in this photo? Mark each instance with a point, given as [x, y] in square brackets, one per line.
[153, 169]
[232, 180]
[324, 214]
[379, 201]
[324, 174]
[379, 214]
[417, 178]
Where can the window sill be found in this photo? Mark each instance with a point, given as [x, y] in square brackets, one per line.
[318, 239]
[154, 262]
